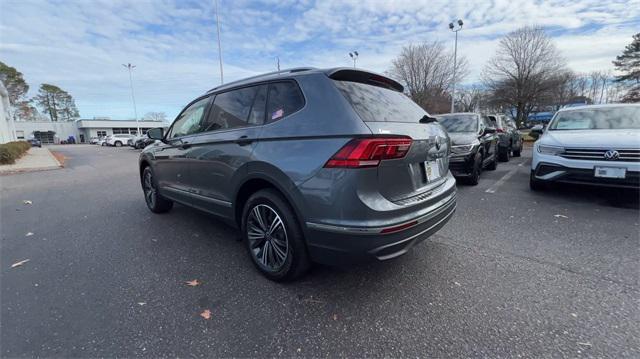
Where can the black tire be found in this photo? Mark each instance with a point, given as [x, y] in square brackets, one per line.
[155, 202]
[277, 249]
[118, 144]
[103, 144]
[516, 153]
[535, 184]
[474, 178]
[503, 154]
[494, 164]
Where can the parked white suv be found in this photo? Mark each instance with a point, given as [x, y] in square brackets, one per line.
[597, 144]
[118, 140]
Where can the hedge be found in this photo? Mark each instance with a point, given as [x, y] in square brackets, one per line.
[11, 151]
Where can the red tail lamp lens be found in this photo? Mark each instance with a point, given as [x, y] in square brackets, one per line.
[368, 152]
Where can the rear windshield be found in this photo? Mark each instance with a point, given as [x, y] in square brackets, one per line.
[459, 123]
[615, 118]
[377, 104]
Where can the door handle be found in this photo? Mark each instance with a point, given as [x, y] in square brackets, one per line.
[244, 140]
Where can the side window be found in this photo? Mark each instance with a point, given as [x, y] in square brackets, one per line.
[189, 120]
[284, 99]
[234, 109]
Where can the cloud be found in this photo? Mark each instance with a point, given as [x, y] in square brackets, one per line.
[82, 45]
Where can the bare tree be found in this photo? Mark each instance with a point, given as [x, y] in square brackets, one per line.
[524, 71]
[471, 99]
[427, 73]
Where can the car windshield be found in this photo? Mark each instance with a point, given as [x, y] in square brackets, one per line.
[459, 123]
[604, 118]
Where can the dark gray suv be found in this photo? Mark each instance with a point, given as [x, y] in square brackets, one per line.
[332, 166]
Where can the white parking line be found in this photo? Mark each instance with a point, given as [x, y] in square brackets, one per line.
[505, 178]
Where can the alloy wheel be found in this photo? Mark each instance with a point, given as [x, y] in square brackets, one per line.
[267, 237]
[149, 189]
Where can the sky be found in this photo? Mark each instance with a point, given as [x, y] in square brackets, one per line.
[80, 45]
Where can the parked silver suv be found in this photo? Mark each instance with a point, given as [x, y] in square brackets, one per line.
[331, 166]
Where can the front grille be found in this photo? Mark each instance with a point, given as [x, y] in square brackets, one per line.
[595, 154]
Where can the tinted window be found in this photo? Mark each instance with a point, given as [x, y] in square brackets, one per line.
[231, 109]
[377, 104]
[284, 99]
[618, 117]
[256, 116]
[189, 120]
[459, 123]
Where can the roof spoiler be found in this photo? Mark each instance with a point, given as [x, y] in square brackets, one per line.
[365, 77]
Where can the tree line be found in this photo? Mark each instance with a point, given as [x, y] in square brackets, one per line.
[526, 74]
[55, 102]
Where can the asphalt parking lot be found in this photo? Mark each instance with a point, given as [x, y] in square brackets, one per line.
[514, 273]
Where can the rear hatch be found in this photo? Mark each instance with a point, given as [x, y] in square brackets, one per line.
[388, 112]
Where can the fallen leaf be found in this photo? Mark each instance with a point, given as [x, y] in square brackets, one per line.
[560, 216]
[18, 264]
[29, 234]
[193, 283]
[142, 303]
[585, 344]
[574, 315]
[335, 317]
[458, 284]
[26, 201]
[206, 314]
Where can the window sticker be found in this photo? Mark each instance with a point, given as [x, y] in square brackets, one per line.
[277, 114]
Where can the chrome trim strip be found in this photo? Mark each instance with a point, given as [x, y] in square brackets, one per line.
[433, 210]
[219, 202]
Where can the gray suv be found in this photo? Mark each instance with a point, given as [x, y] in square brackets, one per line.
[332, 166]
[509, 136]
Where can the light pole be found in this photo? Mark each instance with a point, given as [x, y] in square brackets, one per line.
[133, 98]
[219, 46]
[354, 56]
[453, 28]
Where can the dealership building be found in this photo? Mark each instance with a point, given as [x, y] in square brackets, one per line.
[81, 130]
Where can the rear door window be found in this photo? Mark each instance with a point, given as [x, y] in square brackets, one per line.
[377, 104]
[236, 108]
[284, 98]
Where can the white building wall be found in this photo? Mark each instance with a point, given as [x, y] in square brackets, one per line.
[6, 133]
[62, 129]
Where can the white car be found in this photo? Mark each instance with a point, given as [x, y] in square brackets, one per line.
[118, 140]
[103, 141]
[597, 145]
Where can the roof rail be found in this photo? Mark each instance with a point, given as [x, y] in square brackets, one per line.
[284, 71]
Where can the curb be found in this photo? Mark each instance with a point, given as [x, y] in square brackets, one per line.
[35, 169]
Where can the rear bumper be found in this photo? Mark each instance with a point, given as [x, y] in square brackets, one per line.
[342, 246]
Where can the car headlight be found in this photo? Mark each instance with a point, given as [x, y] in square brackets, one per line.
[463, 148]
[550, 150]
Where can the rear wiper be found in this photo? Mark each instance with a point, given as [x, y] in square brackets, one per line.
[428, 119]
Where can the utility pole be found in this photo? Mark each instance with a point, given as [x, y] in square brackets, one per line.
[455, 61]
[219, 46]
[354, 56]
[133, 98]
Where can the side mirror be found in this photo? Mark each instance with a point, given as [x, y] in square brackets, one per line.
[156, 133]
[537, 129]
[488, 130]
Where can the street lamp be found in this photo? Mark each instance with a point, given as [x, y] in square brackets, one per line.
[455, 29]
[133, 98]
[219, 45]
[354, 56]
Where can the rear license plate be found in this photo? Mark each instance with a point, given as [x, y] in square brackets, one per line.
[432, 169]
[610, 172]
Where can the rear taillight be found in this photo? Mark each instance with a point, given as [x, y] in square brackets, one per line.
[368, 152]
[499, 130]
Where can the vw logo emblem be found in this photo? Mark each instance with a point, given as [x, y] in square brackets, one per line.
[611, 155]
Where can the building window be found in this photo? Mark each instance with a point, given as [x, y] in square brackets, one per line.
[102, 133]
[117, 131]
[20, 135]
